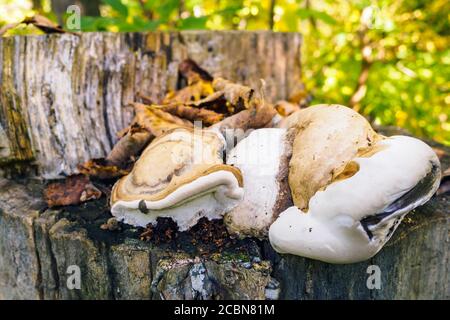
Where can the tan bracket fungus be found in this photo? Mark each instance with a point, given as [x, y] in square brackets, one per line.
[180, 175]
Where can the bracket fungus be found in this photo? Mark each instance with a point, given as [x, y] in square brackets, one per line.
[319, 181]
[180, 175]
[351, 187]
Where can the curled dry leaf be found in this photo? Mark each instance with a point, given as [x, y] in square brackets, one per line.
[44, 24]
[192, 72]
[300, 97]
[199, 84]
[157, 121]
[73, 190]
[239, 96]
[215, 101]
[204, 99]
[208, 117]
[256, 117]
[145, 99]
[130, 145]
[100, 168]
[286, 108]
[193, 92]
[224, 97]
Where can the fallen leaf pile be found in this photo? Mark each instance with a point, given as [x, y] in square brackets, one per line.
[213, 101]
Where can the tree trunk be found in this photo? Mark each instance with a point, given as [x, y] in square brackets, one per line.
[62, 101]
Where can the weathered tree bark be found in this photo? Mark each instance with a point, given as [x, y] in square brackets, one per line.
[63, 98]
[62, 101]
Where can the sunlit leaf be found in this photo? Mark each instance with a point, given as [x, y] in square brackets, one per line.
[166, 8]
[309, 13]
[117, 6]
[192, 23]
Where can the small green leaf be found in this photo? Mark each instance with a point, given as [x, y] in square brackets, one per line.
[117, 6]
[145, 25]
[193, 23]
[166, 9]
[88, 23]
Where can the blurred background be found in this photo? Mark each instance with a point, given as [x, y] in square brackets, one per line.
[390, 59]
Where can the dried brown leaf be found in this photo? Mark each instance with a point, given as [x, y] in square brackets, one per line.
[240, 97]
[208, 117]
[145, 99]
[285, 108]
[42, 23]
[157, 121]
[191, 93]
[130, 145]
[191, 71]
[299, 97]
[73, 190]
[100, 168]
[199, 84]
[254, 118]
[215, 102]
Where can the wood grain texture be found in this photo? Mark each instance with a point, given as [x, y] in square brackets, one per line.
[64, 98]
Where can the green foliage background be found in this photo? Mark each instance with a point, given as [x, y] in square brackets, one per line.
[402, 46]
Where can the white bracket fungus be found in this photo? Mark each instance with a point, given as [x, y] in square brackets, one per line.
[351, 187]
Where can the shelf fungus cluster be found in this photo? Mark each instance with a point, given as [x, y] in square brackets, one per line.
[320, 183]
[317, 181]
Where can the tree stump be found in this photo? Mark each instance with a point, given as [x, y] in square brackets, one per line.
[63, 98]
